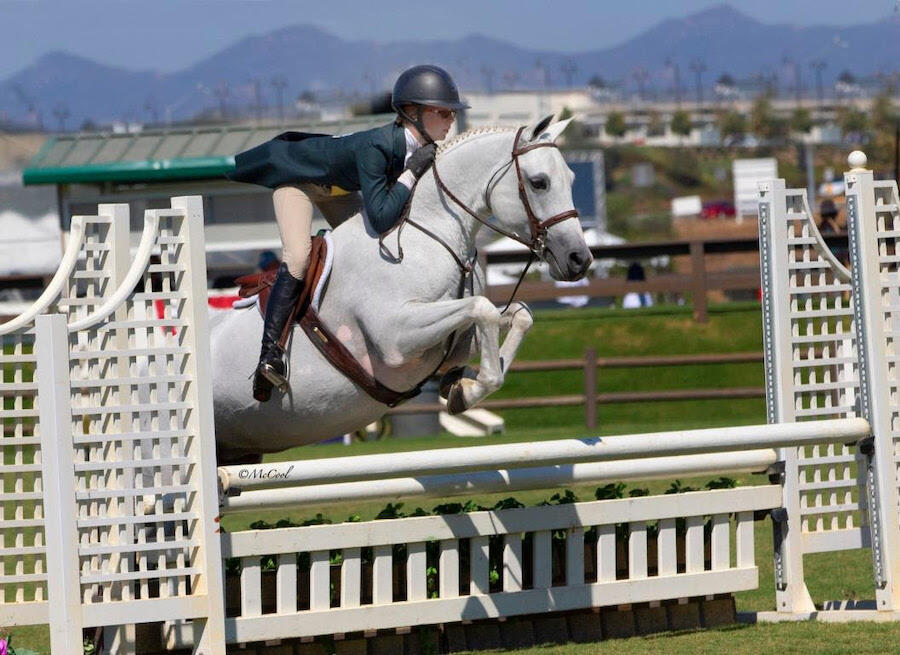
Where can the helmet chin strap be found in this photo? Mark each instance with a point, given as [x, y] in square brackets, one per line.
[417, 122]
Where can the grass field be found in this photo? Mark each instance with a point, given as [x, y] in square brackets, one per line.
[656, 331]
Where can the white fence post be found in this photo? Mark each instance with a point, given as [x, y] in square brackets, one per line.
[791, 594]
[57, 470]
[873, 224]
[209, 633]
[120, 639]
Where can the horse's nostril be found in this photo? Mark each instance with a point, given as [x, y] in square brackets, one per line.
[576, 260]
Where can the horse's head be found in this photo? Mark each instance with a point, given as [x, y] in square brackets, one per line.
[545, 215]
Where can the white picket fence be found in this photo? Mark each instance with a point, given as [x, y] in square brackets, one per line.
[110, 482]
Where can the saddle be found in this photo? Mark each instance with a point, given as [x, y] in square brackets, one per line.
[305, 313]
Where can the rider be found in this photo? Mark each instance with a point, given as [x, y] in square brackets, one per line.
[305, 169]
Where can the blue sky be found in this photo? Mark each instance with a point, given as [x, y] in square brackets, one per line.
[166, 35]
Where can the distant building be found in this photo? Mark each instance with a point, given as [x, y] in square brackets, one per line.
[513, 108]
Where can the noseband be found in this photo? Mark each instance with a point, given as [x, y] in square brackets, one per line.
[537, 226]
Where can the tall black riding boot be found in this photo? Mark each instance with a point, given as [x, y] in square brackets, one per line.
[271, 369]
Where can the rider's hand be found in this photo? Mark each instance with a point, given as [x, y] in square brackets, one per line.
[421, 159]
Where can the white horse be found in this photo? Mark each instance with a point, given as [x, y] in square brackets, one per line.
[395, 316]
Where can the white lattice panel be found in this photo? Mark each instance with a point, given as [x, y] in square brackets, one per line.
[136, 431]
[88, 274]
[816, 311]
[872, 210]
[887, 216]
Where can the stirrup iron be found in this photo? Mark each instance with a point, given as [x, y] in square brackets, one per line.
[271, 374]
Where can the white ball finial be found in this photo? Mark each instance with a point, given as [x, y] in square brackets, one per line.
[857, 159]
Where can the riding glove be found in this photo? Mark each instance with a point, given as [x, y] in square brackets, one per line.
[421, 159]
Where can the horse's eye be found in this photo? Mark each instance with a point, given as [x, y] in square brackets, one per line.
[539, 183]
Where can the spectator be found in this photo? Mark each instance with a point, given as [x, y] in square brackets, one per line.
[828, 224]
[268, 261]
[634, 299]
[828, 213]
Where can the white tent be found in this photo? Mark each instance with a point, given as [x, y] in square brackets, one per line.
[29, 245]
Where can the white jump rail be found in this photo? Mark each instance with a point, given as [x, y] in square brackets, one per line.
[562, 451]
[502, 480]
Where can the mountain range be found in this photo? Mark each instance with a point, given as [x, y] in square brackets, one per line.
[62, 89]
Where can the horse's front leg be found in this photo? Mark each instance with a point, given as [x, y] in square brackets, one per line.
[422, 326]
[518, 320]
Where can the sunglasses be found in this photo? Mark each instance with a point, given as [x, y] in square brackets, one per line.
[442, 113]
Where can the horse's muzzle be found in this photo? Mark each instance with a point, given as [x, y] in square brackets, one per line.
[577, 263]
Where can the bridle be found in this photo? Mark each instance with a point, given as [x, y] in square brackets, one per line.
[537, 226]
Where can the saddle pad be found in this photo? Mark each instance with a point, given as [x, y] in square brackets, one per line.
[255, 288]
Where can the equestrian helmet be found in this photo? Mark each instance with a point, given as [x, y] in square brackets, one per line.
[426, 85]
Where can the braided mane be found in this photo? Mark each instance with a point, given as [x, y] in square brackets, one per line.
[469, 134]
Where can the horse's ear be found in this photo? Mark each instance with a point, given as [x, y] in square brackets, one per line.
[556, 129]
[541, 127]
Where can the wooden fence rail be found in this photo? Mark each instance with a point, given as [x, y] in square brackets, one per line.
[697, 282]
[590, 398]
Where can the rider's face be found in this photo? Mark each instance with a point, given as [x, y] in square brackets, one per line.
[437, 121]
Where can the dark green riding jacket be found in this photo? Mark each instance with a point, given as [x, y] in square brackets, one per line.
[368, 161]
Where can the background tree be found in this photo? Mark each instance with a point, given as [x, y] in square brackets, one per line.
[725, 86]
[655, 125]
[853, 123]
[845, 85]
[681, 123]
[732, 125]
[763, 122]
[883, 113]
[615, 124]
[801, 120]
[597, 82]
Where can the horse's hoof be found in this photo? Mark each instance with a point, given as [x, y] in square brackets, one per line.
[456, 401]
[450, 378]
